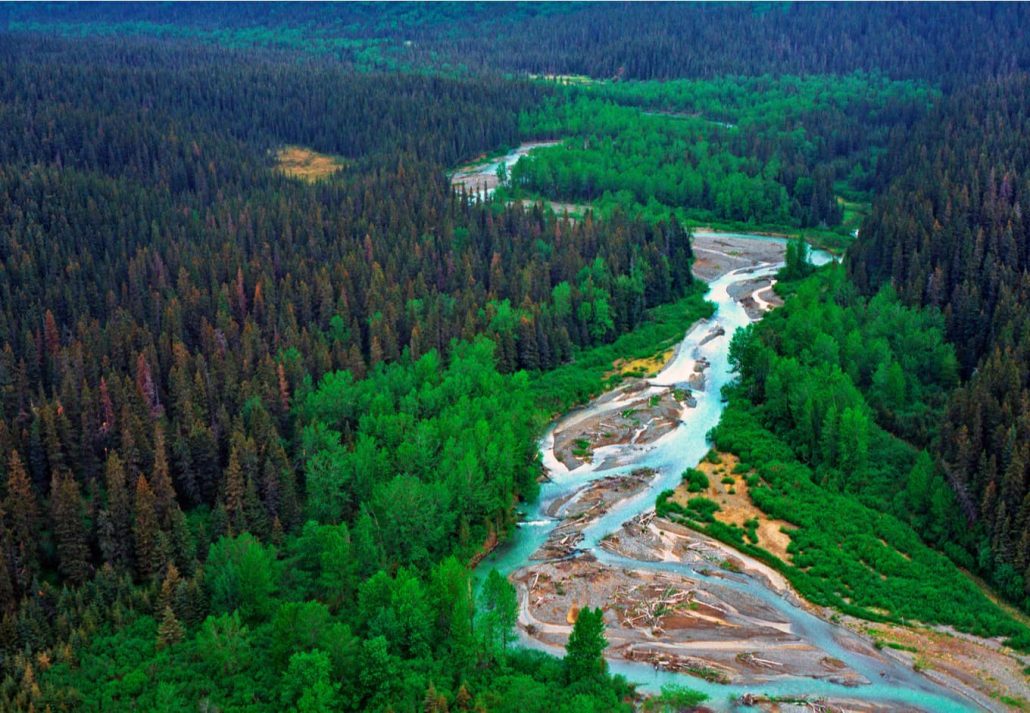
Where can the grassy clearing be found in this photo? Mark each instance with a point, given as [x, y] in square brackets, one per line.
[854, 213]
[641, 367]
[306, 165]
[736, 509]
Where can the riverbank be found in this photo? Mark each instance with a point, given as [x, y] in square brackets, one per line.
[708, 629]
[649, 348]
[981, 669]
[480, 176]
[676, 601]
[597, 370]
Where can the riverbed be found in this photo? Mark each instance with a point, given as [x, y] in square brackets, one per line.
[480, 178]
[735, 626]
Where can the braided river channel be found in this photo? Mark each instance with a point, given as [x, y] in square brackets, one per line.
[876, 682]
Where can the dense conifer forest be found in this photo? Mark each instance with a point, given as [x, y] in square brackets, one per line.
[255, 431]
[950, 232]
[601, 40]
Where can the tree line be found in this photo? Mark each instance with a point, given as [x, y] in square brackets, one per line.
[950, 45]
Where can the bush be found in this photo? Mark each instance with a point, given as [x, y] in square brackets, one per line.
[696, 480]
[704, 508]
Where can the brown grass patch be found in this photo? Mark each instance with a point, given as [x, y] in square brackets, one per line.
[736, 508]
[649, 366]
[305, 164]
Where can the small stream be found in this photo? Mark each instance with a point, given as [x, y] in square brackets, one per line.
[475, 176]
[891, 683]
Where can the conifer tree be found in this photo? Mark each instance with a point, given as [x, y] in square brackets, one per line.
[161, 480]
[584, 652]
[169, 588]
[66, 511]
[117, 515]
[170, 631]
[146, 533]
[235, 494]
[23, 515]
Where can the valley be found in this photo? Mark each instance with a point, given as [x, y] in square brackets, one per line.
[514, 357]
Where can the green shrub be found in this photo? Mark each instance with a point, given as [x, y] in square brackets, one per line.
[696, 480]
[704, 508]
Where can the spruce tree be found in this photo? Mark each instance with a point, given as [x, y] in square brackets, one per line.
[146, 533]
[161, 480]
[117, 516]
[69, 529]
[235, 494]
[584, 652]
[23, 515]
[170, 631]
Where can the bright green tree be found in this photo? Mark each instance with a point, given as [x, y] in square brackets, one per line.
[584, 652]
[500, 611]
[242, 576]
[307, 686]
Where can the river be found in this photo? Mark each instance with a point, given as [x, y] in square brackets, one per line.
[481, 178]
[891, 684]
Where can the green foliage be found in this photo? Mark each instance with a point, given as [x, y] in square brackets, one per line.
[584, 652]
[214, 323]
[925, 237]
[499, 602]
[433, 454]
[673, 699]
[811, 416]
[307, 686]
[698, 509]
[371, 608]
[696, 480]
[702, 508]
[575, 383]
[688, 148]
[242, 576]
[797, 264]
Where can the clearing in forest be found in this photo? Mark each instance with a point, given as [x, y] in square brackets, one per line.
[305, 164]
[643, 366]
[735, 505]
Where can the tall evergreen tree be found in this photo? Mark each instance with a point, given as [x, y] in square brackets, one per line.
[67, 513]
[147, 535]
[584, 652]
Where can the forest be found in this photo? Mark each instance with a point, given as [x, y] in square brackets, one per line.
[838, 397]
[169, 302]
[256, 432]
[773, 152]
[950, 232]
[600, 40]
